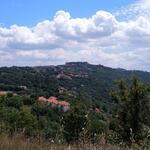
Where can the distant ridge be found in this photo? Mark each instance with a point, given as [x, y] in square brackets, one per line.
[76, 79]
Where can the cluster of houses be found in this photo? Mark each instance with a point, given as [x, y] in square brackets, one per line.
[55, 102]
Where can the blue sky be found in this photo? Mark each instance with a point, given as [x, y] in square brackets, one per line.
[114, 33]
[30, 12]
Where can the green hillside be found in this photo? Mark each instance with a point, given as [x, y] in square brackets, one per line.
[98, 110]
[74, 80]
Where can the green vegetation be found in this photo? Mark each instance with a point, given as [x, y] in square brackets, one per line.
[133, 109]
[91, 83]
[39, 120]
[95, 116]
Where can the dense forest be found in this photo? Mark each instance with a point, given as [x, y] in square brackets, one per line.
[107, 105]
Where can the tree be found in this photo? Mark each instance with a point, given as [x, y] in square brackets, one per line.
[27, 121]
[74, 122]
[97, 126]
[132, 109]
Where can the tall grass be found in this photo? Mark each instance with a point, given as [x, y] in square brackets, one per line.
[20, 143]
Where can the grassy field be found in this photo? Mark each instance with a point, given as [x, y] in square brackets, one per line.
[18, 143]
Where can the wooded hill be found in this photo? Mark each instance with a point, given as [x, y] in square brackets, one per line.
[74, 80]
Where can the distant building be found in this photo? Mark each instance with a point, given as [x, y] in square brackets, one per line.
[23, 87]
[64, 105]
[42, 99]
[3, 93]
[55, 102]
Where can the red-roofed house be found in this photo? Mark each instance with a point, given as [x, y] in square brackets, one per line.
[64, 105]
[53, 100]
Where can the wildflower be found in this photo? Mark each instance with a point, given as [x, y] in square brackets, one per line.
[52, 141]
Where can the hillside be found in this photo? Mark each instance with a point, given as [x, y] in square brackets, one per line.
[71, 104]
[91, 83]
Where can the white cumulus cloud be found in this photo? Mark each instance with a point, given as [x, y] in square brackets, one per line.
[99, 39]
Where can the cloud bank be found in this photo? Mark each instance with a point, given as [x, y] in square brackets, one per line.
[99, 39]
